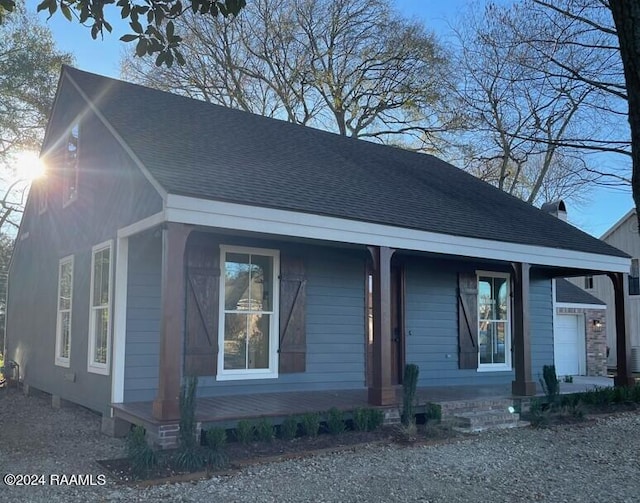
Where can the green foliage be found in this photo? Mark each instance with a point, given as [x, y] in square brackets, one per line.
[409, 387]
[141, 456]
[244, 432]
[189, 457]
[289, 428]
[310, 423]
[335, 421]
[150, 20]
[433, 413]
[216, 438]
[538, 414]
[550, 383]
[265, 431]
[360, 419]
[375, 419]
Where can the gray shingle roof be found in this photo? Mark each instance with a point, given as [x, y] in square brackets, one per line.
[207, 151]
[571, 294]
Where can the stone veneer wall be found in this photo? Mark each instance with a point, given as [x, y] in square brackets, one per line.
[596, 339]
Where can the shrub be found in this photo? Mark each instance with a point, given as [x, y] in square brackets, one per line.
[289, 428]
[375, 419]
[538, 415]
[216, 438]
[310, 424]
[264, 430]
[244, 432]
[409, 386]
[189, 456]
[141, 456]
[360, 420]
[433, 413]
[550, 383]
[335, 421]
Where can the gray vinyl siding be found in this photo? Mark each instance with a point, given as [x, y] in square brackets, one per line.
[335, 329]
[112, 193]
[541, 319]
[142, 347]
[432, 326]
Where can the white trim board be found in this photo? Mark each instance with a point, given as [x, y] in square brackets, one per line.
[572, 305]
[190, 210]
[119, 333]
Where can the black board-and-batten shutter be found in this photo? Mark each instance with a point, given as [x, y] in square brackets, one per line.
[467, 320]
[202, 307]
[293, 339]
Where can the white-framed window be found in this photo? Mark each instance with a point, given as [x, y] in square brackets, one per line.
[65, 302]
[70, 168]
[494, 321]
[100, 308]
[249, 307]
[634, 277]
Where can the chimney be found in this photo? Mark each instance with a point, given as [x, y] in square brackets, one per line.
[556, 208]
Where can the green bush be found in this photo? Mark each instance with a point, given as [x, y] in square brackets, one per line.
[244, 432]
[141, 456]
[549, 382]
[216, 438]
[335, 421]
[433, 413]
[264, 430]
[189, 456]
[310, 423]
[289, 428]
[375, 419]
[409, 387]
[360, 420]
[538, 415]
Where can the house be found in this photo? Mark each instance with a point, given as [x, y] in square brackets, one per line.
[173, 237]
[624, 236]
[579, 331]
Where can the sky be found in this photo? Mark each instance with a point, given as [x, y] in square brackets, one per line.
[601, 211]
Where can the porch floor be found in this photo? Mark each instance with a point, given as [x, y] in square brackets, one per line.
[232, 408]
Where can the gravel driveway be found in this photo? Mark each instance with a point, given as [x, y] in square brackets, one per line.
[586, 463]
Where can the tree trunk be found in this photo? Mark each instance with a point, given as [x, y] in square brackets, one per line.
[626, 16]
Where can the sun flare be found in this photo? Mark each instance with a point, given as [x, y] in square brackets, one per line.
[28, 166]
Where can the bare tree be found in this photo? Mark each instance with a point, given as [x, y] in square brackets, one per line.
[529, 117]
[354, 67]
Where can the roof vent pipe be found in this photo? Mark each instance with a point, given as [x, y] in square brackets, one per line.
[556, 208]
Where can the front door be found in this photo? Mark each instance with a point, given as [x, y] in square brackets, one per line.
[397, 323]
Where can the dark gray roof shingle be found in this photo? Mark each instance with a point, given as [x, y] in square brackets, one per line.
[207, 151]
[569, 293]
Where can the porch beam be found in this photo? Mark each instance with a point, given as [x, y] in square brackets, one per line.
[381, 391]
[523, 384]
[624, 376]
[174, 239]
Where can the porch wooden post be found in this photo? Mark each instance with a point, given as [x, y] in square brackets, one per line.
[523, 384]
[623, 377]
[380, 390]
[174, 239]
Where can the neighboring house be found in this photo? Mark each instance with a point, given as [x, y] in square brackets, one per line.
[579, 331]
[624, 236]
[174, 237]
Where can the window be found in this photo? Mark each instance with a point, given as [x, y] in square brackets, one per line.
[248, 332]
[70, 167]
[65, 300]
[494, 316]
[588, 282]
[634, 277]
[100, 314]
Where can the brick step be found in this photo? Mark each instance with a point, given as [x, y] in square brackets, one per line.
[458, 407]
[485, 420]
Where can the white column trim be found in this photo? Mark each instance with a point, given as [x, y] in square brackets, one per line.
[119, 320]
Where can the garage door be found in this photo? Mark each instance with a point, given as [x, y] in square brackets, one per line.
[567, 345]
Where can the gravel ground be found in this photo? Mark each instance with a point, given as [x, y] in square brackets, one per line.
[584, 463]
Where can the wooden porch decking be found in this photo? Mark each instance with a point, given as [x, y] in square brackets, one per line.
[232, 408]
